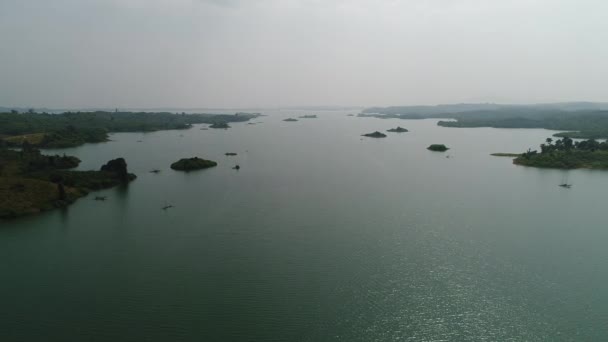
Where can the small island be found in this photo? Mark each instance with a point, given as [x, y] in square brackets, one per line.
[567, 154]
[230, 154]
[375, 134]
[191, 164]
[399, 129]
[290, 120]
[310, 116]
[220, 125]
[438, 148]
[514, 155]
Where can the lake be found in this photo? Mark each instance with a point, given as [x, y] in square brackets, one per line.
[322, 235]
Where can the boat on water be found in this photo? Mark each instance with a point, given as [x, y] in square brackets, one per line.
[100, 198]
[564, 183]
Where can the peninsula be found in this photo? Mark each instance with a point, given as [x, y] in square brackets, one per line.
[567, 154]
[584, 120]
[31, 182]
[43, 130]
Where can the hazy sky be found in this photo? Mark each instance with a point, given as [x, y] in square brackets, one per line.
[242, 53]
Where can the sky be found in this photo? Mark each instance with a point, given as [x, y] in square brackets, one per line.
[278, 53]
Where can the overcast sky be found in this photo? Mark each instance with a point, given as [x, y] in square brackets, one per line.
[268, 53]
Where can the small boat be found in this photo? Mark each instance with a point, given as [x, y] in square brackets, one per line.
[564, 184]
[167, 207]
[100, 198]
[155, 171]
[236, 167]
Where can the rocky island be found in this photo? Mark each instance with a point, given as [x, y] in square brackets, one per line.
[31, 182]
[438, 148]
[399, 129]
[375, 134]
[191, 164]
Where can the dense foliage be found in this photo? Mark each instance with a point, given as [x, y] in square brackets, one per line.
[399, 129]
[195, 163]
[438, 148]
[73, 129]
[31, 182]
[566, 153]
[578, 120]
[586, 124]
[375, 134]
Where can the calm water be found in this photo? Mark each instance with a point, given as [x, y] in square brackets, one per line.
[321, 236]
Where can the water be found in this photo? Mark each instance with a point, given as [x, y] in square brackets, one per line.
[321, 236]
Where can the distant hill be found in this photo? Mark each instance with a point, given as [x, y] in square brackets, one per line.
[426, 111]
[587, 120]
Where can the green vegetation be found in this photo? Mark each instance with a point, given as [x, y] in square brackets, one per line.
[189, 164]
[589, 125]
[438, 148]
[375, 134]
[31, 182]
[399, 129]
[506, 154]
[579, 120]
[220, 125]
[73, 129]
[566, 154]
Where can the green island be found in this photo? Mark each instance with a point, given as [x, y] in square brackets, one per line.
[581, 120]
[438, 148]
[375, 134]
[190, 164]
[505, 154]
[567, 154]
[70, 129]
[220, 125]
[31, 182]
[399, 129]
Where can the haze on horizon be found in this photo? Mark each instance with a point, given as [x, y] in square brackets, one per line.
[266, 53]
